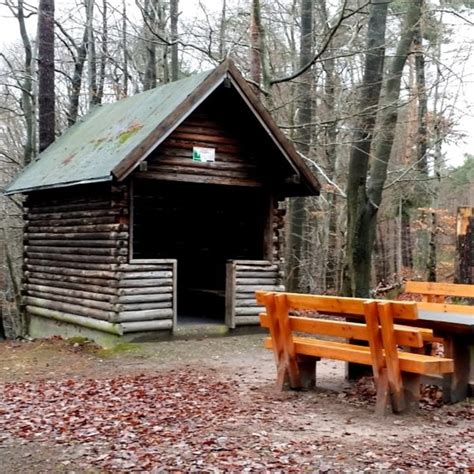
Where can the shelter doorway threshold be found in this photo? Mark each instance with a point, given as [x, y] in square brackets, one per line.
[196, 327]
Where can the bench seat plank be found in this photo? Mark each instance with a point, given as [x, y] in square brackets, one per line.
[409, 362]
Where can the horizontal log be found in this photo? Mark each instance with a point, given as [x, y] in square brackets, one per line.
[144, 315]
[144, 275]
[143, 283]
[32, 264]
[144, 306]
[141, 291]
[88, 295]
[257, 281]
[185, 161]
[33, 277]
[84, 206]
[257, 268]
[189, 144]
[77, 229]
[74, 215]
[186, 154]
[131, 268]
[189, 178]
[255, 311]
[152, 261]
[264, 263]
[254, 288]
[193, 135]
[145, 298]
[63, 282]
[77, 235]
[70, 308]
[77, 258]
[165, 324]
[76, 250]
[76, 319]
[243, 296]
[72, 300]
[246, 302]
[96, 274]
[247, 320]
[65, 222]
[201, 171]
[70, 196]
[74, 243]
[249, 274]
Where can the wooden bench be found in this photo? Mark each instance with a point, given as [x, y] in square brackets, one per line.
[438, 292]
[297, 348]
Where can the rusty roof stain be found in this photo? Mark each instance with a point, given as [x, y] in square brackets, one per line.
[89, 150]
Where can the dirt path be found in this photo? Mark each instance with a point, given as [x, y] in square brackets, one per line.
[205, 405]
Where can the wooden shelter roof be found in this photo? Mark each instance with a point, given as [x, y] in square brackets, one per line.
[112, 140]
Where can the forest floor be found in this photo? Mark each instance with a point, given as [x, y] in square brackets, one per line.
[207, 406]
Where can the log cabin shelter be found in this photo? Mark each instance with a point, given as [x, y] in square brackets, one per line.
[159, 209]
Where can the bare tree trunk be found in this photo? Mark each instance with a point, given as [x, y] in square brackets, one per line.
[46, 92]
[174, 39]
[27, 88]
[124, 48]
[103, 53]
[76, 82]
[149, 81]
[388, 121]
[432, 254]
[92, 57]
[255, 52]
[222, 30]
[407, 251]
[297, 204]
[422, 142]
[330, 138]
[357, 254]
[437, 163]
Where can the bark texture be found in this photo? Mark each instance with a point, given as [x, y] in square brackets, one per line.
[46, 109]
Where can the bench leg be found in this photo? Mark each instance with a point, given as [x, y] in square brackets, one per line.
[411, 391]
[383, 393]
[307, 366]
[455, 385]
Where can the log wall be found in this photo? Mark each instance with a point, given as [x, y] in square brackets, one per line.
[147, 296]
[237, 161]
[244, 277]
[76, 266]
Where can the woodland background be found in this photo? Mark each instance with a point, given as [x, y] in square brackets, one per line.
[370, 92]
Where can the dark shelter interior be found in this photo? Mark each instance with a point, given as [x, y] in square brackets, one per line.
[202, 226]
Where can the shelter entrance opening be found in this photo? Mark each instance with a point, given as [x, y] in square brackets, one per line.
[202, 227]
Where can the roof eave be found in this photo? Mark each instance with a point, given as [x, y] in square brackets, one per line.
[102, 179]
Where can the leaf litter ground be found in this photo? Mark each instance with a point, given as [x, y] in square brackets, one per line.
[207, 406]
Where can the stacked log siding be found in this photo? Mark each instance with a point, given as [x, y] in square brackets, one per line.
[73, 247]
[244, 278]
[147, 296]
[76, 270]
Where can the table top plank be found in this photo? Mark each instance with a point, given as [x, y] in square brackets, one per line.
[441, 316]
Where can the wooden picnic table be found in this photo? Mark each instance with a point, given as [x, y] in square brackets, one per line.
[457, 330]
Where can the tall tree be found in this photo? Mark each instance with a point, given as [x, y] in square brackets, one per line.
[297, 204]
[174, 39]
[46, 91]
[356, 254]
[149, 14]
[27, 99]
[365, 187]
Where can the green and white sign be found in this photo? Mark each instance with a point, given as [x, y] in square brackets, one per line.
[204, 155]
